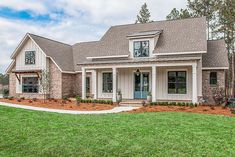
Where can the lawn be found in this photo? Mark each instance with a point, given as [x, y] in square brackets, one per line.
[33, 133]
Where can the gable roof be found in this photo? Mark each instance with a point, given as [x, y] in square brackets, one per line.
[216, 55]
[175, 36]
[60, 52]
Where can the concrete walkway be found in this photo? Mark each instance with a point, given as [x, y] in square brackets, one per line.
[114, 110]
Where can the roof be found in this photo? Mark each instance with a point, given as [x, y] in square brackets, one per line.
[60, 52]
[185, 35]
[216, 55]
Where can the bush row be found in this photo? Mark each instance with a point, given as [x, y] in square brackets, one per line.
[174, 104]
[97, 101]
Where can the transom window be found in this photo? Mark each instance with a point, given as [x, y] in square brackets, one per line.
[107, 83]
[177, 82]
[213, 78]
[141, 48]
[29, 57]
[30, 85]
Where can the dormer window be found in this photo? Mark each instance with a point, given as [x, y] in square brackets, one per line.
[141, 48]
[29, 57]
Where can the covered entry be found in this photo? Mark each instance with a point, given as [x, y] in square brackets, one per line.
[141, 84]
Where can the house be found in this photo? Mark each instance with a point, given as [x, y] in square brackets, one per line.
[171, 59]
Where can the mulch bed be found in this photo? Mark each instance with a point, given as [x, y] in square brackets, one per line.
[218, 110]
[58, 104]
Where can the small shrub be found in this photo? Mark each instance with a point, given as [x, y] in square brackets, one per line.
[5, 92]
[65, 98]
[11, 98]
[78, 98]
[22, 98]
[35, 99]
[19, 100]
[191, 104]
[63, 101]
[55, 100]
[183, 104]
[30, 101]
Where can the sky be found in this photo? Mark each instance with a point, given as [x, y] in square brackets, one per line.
[70, 21]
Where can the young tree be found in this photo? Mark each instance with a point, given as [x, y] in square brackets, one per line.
[144, 15]
[45, 83]
[176, 14]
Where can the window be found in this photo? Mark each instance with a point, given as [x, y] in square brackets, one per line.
[29, 57]
[177, 82]
[141, 48]
[30, 85]
[88, 84]
[213, 78]
[107, 83]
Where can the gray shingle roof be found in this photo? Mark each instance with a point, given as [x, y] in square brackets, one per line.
[216, 55]
[177, 36]
[61, 53]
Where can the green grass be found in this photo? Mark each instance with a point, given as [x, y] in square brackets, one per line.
[32, 133]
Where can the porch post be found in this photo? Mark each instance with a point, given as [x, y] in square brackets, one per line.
[94, 83]
[194, 83]
[154, 79]
[114, 84]
[83, 83]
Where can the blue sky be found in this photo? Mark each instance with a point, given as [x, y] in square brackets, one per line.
[69, 21]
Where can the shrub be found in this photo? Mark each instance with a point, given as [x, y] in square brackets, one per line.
[5, 92]
[219, 95]
[30, 101]
[11, 98]
[22, 98]
[19, 100]
[65, 98]
[63, 101]
[35, 99]
[78, 99]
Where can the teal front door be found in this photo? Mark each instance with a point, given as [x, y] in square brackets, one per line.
[141, 83]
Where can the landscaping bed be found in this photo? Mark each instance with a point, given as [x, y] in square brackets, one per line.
[60, 104]
[218, 110]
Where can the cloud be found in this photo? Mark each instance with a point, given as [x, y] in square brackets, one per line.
[72, 21]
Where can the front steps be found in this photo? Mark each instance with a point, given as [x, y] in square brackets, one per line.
[132, 103]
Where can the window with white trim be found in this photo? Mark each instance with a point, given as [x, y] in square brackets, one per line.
[177, 82]
[141, 48]
[29, 57]
[107, 83]
[30, 84]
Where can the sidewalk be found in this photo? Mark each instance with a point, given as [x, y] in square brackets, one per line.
[114, 110]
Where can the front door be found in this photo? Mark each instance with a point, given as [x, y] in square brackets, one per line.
[141, 81]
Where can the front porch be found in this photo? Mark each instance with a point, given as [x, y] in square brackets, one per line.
[135, 81]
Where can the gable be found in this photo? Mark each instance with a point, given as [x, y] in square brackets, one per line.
[40, 57]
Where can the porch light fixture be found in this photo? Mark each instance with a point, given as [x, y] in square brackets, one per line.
[137, 72]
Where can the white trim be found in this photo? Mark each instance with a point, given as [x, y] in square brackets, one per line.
[20, 44]
[104, 57]
[142, 36]
[140, 65]
[187, 82]
[10, 67]
[214, 68]
[178, 53]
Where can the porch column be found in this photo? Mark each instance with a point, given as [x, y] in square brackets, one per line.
[154, 79]
[194, 83]
[114, 84]
[83, 83]
[94, 83]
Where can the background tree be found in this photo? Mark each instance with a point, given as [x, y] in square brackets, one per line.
[144, 15]
[4, 79]
[176, 14]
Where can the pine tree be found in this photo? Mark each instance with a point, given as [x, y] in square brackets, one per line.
[144, 15]
[207, 8]
[176, 14]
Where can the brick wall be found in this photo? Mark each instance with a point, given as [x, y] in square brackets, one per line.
[56, 81]
[68, 85]
[207, 89]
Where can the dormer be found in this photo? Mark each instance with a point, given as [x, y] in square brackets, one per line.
[142, 44]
